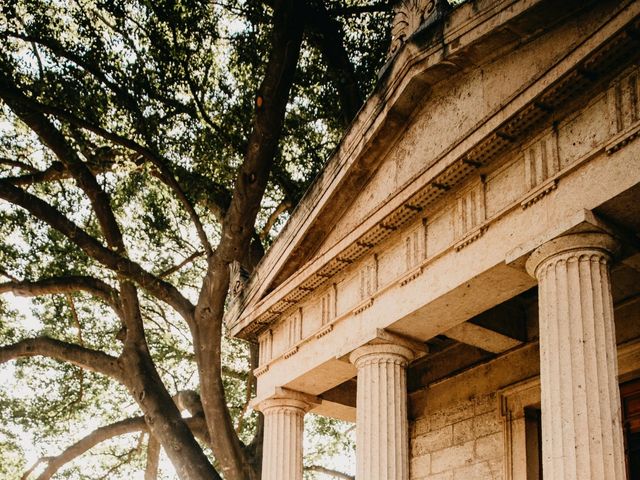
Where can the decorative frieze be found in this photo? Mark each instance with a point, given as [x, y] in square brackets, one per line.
[265, 347]
[411, 275]
[623, 102]
[470, 214]
[415, 252]
[324, 331]
[541, 164]
[295, 327]
[415, 246]
[369, 277]
[361, 307]
[539, 192]
[290, 353]
[623, 98]
[328, 305]
[541, 160]
[470, 209]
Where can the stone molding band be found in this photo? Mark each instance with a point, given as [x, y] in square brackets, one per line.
[380, 353]
[601, 245]
[283, 404]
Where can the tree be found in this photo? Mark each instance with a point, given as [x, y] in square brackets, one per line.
[146, 147]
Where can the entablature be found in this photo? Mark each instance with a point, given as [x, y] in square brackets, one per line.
[422, 282]
[471, 36]
[463, 189]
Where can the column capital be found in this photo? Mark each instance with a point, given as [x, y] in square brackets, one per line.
[570, 245]
[285, 398]
[381, 352]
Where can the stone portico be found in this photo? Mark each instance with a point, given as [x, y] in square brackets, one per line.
[463, 279]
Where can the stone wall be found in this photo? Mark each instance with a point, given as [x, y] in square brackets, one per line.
[460, 442]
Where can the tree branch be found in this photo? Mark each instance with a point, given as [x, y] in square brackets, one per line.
[239, 228]
[153, 459]
[59, 50]
[28, 112]
[55, 171]
[184, 262]
[102, 434]
[43, 211]
[18, 164]
[92, 360]
[328, 37]
[328, 471]
[99, 435]
[273, 218]
[58, 144]
[55, 285]
[168, 179]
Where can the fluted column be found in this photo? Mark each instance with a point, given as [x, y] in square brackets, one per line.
[283, 431]
[382, 433]
[581, 411]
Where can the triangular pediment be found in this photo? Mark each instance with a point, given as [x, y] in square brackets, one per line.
[433, 119]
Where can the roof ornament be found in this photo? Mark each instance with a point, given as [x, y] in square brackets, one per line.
[238, 280]
[412, 15]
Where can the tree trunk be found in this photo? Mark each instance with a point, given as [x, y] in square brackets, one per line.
[163, 417]
[238, 229]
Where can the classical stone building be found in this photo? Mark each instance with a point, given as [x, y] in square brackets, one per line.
[463, 279]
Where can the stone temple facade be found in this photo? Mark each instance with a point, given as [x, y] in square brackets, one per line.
[463, 279]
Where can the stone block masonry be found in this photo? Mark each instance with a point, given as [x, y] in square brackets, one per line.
[460, 442]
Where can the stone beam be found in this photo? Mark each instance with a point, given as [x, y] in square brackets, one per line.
[482, 337]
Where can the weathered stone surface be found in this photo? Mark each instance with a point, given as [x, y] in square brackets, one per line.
[581, 410]
[283, 434]
[382, 425]
[433, 440]
[452, 457]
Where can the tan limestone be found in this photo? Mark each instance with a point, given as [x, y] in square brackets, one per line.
[581, 418]
[382, 425]
[283, 435]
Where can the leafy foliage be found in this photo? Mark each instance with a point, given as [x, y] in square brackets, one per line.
[124, 82]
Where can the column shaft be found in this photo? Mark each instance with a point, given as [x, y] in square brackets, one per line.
[382, 434]
[581, 410]
[283, 432]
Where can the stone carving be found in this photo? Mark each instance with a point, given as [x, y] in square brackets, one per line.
[328, 305]
[411, 15]
[541, 160]
[470, 209]
[415, 246]
[265, 350]
[624, 110]
[238, 280]
[295, 327]
[470, 214]
[541, 164]
[369, 278]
